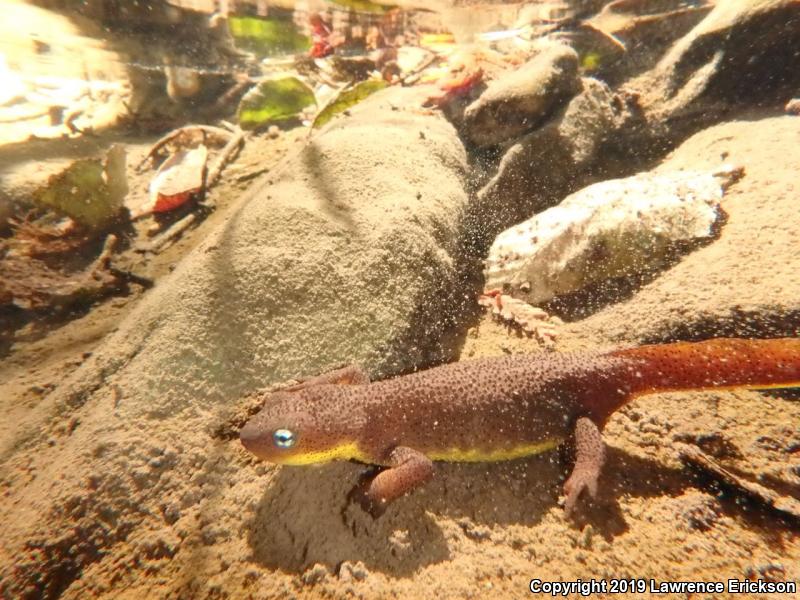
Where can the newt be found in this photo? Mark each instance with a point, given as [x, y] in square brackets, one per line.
[495, 409]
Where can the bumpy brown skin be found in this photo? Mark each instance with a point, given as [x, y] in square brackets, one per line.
[490, 407]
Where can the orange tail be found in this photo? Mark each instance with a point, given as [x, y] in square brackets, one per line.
[720, 363]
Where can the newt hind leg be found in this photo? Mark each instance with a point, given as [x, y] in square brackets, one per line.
[590, 456]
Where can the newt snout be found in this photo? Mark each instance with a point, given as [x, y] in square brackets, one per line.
[253, 440]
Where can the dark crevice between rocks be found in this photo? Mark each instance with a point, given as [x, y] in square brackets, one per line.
[454, 302]
[764, 322]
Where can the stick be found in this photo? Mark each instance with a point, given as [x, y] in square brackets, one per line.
[102, 261]
[170, 234]
[225, 156]
[404, 80]
[695, 458]
[175, 133]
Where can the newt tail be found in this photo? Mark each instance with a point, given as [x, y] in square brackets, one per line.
[496, 409]
[723, 363]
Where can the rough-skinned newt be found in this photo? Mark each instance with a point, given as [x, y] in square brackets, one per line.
[495, 409]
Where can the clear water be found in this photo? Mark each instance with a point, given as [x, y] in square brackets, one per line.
[204, 202]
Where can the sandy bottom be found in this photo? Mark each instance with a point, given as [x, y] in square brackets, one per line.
[487, 530]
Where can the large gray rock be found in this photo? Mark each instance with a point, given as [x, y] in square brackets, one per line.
[747, 282]
[742, 53]
[348, 255]
[522, 98]
[548, 163]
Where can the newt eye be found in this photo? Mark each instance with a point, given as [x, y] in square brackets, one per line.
[283, 438]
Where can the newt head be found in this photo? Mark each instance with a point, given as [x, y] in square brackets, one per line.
[308, 426]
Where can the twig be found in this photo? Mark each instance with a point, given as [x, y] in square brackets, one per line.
[252, 174]
[695, 458]
[170, 234]
[131, 277]
[231, 127]
[404, 80]
[225, 156]
[176, 133]
[532, 320]
[31, 285]
[102, 261]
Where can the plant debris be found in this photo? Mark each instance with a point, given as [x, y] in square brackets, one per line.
[90, 191]
[459, 83]
[183, 176]
[530, 319]
[349, 96]
[696, 459]
[274, 100]
[266, 36]
[179, 178]
[42, 238]
[185, 138]
[30, 284]
[169, 235]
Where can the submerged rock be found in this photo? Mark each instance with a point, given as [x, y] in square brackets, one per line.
[611, 229]
[522, 98]
[547, 163]
[742, 53]
[744, 283]
[349, 253]
[627, 37]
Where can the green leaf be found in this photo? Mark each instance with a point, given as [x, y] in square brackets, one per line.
[364, 6]
[267, 37]
[88, 191]
[274, 100]
[591, 61]
[348, 97]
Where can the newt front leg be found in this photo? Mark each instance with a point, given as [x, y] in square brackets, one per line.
[347, 375]
[407, 470]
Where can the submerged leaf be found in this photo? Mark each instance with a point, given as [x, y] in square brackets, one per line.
[90, 191]
[267, 37]
[179, 178]
[591, 61]
[348, 97]
[364, 6]
[274, 100]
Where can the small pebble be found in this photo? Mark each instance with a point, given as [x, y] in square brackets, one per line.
[172, 512]
[701, 514]
[773, 572]
[352, 571]
[585, 538]
[315, 574]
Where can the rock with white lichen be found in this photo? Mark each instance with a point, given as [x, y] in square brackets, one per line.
[612, 229]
